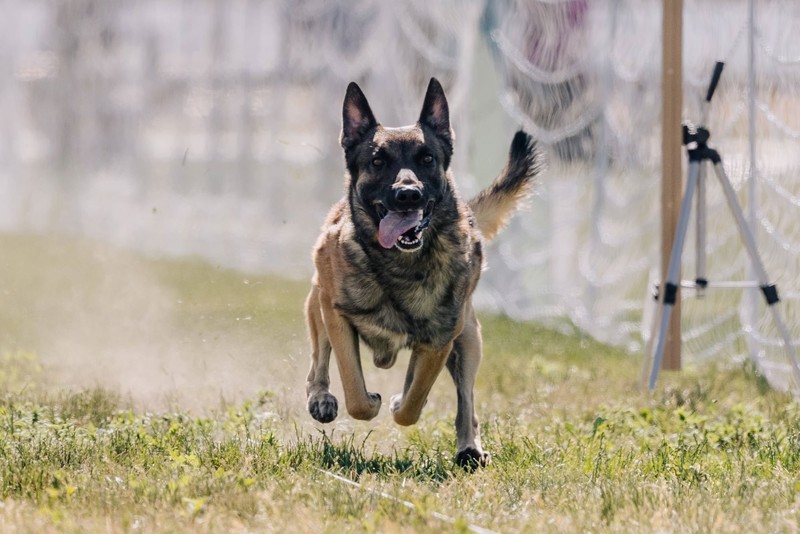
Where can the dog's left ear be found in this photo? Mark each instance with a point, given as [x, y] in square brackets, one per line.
[436, 114]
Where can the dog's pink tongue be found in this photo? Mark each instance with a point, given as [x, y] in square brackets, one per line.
[396, 224]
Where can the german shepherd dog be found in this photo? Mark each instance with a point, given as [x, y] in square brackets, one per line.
[398, 260]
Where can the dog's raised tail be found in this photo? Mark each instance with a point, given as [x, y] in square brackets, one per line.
[494, 205]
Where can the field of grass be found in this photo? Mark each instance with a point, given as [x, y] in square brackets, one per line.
[167, 396]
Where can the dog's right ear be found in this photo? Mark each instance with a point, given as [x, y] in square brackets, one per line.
[436, 116]
[357, 117]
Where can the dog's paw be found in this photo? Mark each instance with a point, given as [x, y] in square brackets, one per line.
[395, 402]
[323, 407]
[403, 417]
[395, 406]
[401, 414]
[472, 458]
[375, 403]
[366, 411]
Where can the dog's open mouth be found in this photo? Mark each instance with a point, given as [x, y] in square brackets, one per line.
[403, 229]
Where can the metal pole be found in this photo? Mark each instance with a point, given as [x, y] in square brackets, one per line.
[769, 290]
[700, 237]
[669, 296]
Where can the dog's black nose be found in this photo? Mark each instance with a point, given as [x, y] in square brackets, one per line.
[408, 196]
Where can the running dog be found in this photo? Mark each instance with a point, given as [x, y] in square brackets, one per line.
[397, 261]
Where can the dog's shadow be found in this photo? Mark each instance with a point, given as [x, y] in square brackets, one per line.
[350, 458]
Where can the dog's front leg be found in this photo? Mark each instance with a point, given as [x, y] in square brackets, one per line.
[463, 366]
[423, 369]
[360, 403]
[321, 404]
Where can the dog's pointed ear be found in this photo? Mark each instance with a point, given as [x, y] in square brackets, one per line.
[435, 112]
[357, 117]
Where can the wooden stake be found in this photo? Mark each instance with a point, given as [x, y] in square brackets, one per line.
[671, 159]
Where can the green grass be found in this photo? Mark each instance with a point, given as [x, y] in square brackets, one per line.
[227, 447]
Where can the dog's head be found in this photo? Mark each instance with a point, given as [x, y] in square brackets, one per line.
[398, 176]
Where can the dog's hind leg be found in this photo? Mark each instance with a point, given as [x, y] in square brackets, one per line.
[463, 366]
[360, 403]
[383, 353]
[321, 404]
[423, 369]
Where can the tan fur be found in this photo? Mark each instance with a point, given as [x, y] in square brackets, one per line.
[493, 209]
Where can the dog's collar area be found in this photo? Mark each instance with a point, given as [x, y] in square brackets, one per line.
[426, 217]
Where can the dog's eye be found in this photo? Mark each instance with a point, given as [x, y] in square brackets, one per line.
[377, 162]
[427, 159]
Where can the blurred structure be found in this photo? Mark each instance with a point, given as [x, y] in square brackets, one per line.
[210, 128]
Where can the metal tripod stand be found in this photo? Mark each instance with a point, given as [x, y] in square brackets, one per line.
[699, 152]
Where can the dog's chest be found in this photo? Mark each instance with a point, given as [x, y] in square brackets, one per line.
[403, 308]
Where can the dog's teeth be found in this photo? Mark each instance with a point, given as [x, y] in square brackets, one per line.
[409, 244]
